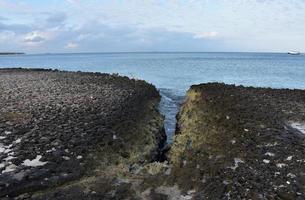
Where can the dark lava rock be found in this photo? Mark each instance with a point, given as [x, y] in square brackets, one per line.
[240, 143]
[57, 127]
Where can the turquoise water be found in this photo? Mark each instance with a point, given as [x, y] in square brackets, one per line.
[173, 73]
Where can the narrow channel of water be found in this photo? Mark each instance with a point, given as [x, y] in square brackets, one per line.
[169, 107]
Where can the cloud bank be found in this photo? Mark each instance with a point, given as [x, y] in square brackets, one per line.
[198, 25]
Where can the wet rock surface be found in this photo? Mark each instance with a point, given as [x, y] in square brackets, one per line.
[70, 128]
[240, 143]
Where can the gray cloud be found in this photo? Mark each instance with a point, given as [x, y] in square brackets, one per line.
[34, 39]
[17, 28]
[138, 25]
[56, 18]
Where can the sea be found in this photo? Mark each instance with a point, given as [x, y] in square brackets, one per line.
[173, 73]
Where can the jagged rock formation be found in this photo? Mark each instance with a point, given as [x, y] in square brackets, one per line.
[240, 143]
[69, 128]
[72, 135]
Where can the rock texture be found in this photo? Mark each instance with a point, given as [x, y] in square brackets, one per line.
[72, 135]
[62, 131]
[240, 143]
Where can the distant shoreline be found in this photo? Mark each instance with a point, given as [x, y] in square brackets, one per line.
[152, 52]
[11, 53]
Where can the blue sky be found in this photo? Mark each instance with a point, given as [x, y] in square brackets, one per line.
[36, 26]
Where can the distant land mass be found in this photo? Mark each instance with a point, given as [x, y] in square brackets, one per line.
[11, 53]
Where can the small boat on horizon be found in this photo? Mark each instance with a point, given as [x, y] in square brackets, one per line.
[294, 53]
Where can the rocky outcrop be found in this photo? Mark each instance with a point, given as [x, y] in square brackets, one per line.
[62, 132]
[73, 135]
[240, 143]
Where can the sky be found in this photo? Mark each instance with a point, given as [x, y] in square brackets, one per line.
[68, 26]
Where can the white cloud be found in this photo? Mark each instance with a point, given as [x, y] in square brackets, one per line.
[35, 38]
[257, 25]
[206, 35]
[71, 45]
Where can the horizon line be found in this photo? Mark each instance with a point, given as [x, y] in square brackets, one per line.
[143, 52]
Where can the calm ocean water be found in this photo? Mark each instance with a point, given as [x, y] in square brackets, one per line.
[173, 73]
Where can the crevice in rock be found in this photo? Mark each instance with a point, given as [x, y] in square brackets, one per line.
[169, 107]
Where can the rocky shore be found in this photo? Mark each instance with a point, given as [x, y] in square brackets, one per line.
[240, 143]
[68, 128]
[74, 135]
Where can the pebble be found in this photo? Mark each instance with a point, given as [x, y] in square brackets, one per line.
[236, 162]
[191, 192]
[225, 182]
[291, 175]
[34, 163]
[7, 132]
[266, 161]
[66, 158]
[9, 168]
[17, 141]
[289, 158]
[269, 154]
[280, 165]
[9, 158]
[168, 171]
[2, 150]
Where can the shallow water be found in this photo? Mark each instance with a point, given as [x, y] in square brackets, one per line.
[173, 73]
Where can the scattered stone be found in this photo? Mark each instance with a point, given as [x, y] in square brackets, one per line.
[281, 165]
[9, 158]
[269, 154]
[291, 175]
[34, 163]
[236, 162]
[266, 161]
[168, 171]
[9, 168]
[17, 141]
[7, 132]
[289, 158]
[66, 158]
[2, 165]
[299, 126]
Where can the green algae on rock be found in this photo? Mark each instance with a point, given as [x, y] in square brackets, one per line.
[240, 143]
[68, 128]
